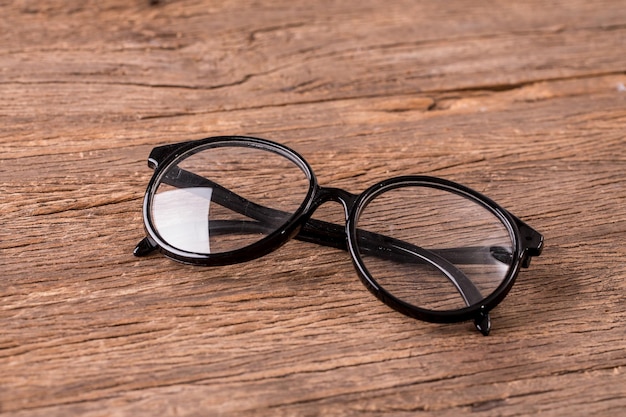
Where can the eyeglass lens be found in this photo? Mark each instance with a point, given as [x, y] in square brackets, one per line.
[469, 247]
[220, 199]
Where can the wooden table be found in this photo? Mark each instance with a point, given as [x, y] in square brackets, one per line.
[523, 101]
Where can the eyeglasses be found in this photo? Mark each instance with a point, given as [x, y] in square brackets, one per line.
[427, 247]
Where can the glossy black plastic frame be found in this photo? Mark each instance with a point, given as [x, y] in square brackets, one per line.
[163, 159]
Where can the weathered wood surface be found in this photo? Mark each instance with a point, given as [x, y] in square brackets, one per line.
[522, 101]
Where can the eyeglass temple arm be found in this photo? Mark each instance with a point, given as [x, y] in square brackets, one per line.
[333, 235]
[329, 234]
[317, 231]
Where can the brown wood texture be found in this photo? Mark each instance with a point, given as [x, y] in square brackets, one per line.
[523, 101]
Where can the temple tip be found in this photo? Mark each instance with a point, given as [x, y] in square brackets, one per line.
[145, 247]
[483, 323]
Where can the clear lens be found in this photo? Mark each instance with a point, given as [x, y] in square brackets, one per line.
[432, 248]
[223, 198]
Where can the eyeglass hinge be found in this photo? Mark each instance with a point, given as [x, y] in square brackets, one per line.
[158, 154]
[532, 242]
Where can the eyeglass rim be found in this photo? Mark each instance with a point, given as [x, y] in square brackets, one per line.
[437, 316]
[163, 158]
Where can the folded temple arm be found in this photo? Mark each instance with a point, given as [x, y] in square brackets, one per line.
[265, 220]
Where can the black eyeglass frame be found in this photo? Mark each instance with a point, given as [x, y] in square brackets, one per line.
[526, 241]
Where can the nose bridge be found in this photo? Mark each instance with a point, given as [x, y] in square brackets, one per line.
[336, 195]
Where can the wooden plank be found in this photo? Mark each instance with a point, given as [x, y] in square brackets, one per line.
[526, 107]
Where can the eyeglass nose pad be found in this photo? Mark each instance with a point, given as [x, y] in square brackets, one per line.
[483, 323]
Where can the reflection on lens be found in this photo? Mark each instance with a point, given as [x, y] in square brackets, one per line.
[222, 198]
[433, 248]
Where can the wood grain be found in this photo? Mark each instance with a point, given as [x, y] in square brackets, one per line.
[524, 102]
